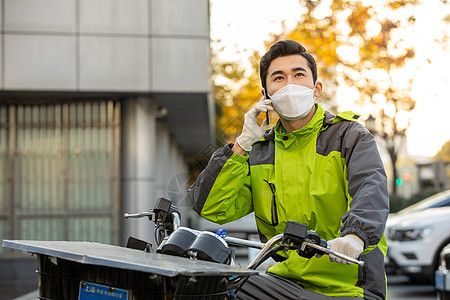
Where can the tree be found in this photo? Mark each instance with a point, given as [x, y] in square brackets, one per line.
[444, 153]
[385, 54]
[443, 156]
[236, 91]
[356, 45]
[359, 45]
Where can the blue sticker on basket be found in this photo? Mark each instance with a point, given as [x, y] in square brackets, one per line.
[95, 291]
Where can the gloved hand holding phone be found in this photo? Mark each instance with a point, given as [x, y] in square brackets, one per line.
[251, 131]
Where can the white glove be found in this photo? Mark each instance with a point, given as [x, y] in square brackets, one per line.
[251, 132]
[350, 245]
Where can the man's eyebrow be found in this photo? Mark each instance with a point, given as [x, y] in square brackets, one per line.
[276, 73]
[295, 69]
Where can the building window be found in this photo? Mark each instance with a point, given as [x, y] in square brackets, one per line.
[59, 171]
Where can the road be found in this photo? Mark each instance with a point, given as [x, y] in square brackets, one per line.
[399, 288]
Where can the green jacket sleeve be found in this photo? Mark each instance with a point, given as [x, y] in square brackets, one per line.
[222, 191]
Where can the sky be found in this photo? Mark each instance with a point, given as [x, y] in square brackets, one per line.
[243, 25]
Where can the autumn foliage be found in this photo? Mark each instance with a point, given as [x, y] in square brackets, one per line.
[356, 44]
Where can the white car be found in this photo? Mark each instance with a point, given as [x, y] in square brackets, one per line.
[416, 236]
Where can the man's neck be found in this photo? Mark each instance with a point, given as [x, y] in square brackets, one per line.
[293, 125]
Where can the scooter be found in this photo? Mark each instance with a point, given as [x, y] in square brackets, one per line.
[173, 239]
[185, 264]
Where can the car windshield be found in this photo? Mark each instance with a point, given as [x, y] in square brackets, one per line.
[439, 200]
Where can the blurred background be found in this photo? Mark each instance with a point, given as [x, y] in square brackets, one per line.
[106, 105]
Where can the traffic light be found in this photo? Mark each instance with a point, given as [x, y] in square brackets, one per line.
[399, 181]
[407, 176]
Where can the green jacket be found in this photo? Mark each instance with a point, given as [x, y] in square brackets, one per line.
[327, 175]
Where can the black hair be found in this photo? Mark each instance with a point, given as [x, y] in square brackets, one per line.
[285, 48]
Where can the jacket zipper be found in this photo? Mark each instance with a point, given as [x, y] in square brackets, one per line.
[274, 204]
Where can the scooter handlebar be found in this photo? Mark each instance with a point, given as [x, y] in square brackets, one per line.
[138, 215]
[277, 239]
[264, 247]
[337, 254]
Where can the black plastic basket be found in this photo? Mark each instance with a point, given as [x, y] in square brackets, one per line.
[61, 279]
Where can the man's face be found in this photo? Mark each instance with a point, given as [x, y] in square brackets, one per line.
[292, 69]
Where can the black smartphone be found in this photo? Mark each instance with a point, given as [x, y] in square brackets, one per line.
[267, 112]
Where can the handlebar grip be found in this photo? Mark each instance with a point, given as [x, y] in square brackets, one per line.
[340, 255]
[138, 215]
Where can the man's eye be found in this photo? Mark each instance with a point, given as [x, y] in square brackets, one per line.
[278, 78]
[299, 74]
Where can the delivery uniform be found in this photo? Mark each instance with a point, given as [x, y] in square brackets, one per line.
[327, 175]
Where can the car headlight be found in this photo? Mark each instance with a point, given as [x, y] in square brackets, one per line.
[410, 234]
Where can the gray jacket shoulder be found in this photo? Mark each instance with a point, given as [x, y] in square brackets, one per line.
[341, 136]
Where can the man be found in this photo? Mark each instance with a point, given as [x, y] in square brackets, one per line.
[312, 167]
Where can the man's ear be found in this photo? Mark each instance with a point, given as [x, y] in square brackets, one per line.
[319, 88]
[262, 91]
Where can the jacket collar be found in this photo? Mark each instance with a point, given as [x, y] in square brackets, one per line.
[313, 126]
[327, 120]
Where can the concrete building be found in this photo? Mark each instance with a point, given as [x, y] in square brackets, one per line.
[100, 103]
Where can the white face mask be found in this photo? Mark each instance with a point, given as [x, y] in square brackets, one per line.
[293, 102]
